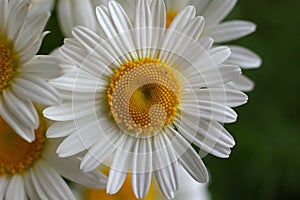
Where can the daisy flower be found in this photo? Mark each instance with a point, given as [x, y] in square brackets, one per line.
[142, 94]
[24, 75]
[33, 170]
[214, 12]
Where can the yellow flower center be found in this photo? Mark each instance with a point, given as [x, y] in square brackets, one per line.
[9, 61]
[170, 16]
[143, 95]
[16, 154]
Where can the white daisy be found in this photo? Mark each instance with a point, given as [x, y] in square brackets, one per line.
[142, 94]
[23, 75]
[214, 12]
[34, 171]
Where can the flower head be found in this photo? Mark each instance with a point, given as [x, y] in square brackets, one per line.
[23, 75]
[142, 94]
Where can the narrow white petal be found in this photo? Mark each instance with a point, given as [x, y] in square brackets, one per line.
[70, 169]
[189, 159]
[101, 150]
[206, 42]
[3, 185]
[217, 10]
[52, 184]
[243, 57]
[231, 30]
[167, 179]
[30, 187]
[229, 97]
[31, 30]
[219, 54]
[120, 165]
[158, 12]
[242, 83]
[210, 111]
[182, 17]
[142, 167]
[194, 27]
[119, 17]
[23, 109]
[36, 183]
[27, 133]
[36, 89]
[17, 14]
[15, 188]
[3, 14]
[46, 67]
[32, 49]
[82, 139]
[76, 12]
[71, 110]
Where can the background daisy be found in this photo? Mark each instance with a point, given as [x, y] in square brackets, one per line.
[175, 93]
[34, 171]
[23, 75]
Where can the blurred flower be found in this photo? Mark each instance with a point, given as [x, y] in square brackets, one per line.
[34, 170]
[141, 94]
[23, 75]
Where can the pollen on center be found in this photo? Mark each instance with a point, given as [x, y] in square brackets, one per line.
[9, 61]
[143, 95]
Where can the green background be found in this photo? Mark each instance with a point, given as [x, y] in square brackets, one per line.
[265, 163]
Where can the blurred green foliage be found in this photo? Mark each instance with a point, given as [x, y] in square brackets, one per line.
[264, 164]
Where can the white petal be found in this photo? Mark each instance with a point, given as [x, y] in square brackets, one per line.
[210, 111]
[23, 109]
[51, 183]
[194, 27]
[46, 67]
[76, 12]
[3, 14]
[119, 17]
[86, 37]
[33, 48]
[30, 187]
[15, 189]
[31, 31]
[167, 179]
[17, 14]
[219, 54]
[242, 83]
[83, 138]
[217, 10]
[71, 110]
[231, 30]
[158, 12]
[229, 97]
[3, 185]
[36, 89]
[182, 17]
[142, 167]
[27, 133]
[243, 57]
[70, 169]
[101, 150]
[209, 136]
[190, 160]
[120, 165]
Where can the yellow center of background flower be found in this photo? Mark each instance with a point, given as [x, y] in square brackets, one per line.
[170, 16]
[16, 154]
[143, 95]
[9, 61]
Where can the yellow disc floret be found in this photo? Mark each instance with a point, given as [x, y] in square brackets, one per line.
[143, 95]
[16, 154]
[9, 61]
